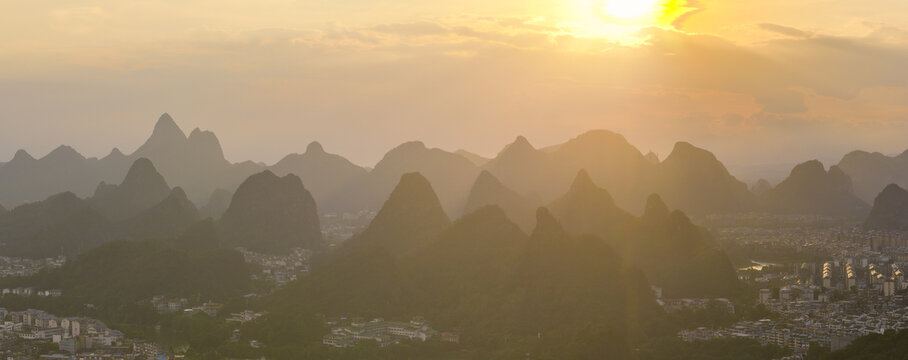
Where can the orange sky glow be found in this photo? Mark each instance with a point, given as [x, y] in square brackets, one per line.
[755, 82]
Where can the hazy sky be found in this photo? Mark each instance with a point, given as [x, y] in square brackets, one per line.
[754, 81]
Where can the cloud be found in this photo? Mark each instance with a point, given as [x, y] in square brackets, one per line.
[473, 82]
[785, 30]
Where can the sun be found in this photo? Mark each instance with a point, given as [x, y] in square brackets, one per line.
[632, 9]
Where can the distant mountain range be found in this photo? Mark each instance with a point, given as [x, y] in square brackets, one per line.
[872, 172]
[811, 189]
[481, 275]
[689, 178]
[268, 214]
[890, 210]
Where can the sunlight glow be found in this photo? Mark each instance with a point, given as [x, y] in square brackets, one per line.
[629, 9]
[620, 21]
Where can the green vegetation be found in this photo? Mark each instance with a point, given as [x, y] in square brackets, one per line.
[890, 345]
[738, 349]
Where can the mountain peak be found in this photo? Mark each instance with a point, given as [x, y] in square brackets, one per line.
[890, 210]
[812, 167]
[411, 145]
[583, 182]
[315, 148]
[115, 152]
[271, 214]
[652, 157]
[167, 127]
[485, 177]
[64, 152]
[547, 227]
[178, 193]
[520, 144]
[655, 208]
[22, 155]
[413, 183]
[143, 176]
[893, 189]
[684, 146]
[408, 219]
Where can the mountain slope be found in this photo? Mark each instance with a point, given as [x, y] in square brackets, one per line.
[890, 210]
[142, 188]
[871, 172]
[271, 214]
[217, 204]
[692, 179]
[195, 162]
[61, 224]
[166, 219]
[680, 256]
[408, 219]
[324, 174]
[589, 209]
[477, 160]
[488, 190]
[451, 176]
[121, 272]
[486, 278]
[810, 189]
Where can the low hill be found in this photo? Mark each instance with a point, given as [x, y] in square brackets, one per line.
[890, 210]
[408, 219]
[810, 189]
[488, 190]
[486, 278]
[271, 214]
[675, 254]
[60, 224]
[122, 271]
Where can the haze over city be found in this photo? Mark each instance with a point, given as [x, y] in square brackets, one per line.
[453, 180]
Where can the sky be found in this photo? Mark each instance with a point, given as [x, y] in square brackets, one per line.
[756, 82]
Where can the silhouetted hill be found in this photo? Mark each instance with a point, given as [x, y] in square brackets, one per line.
[608, 157]
[410, 217]
[26, 179]
[324, 174]
[487, 190]
[142, 188]
[271, 214]
[521, 166]
[871, 172]
[166, 219]
[760, 187]
[486, 278]
[675, 254]
[62, 223]
[890, 210]
[652, 157]
[810, 189]
[692, 179]
[2, 209]
[217, 204]
[477, 254]
[126, 272]
[588, 209]
[679, 256]
[451, 176]
[195, 163]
